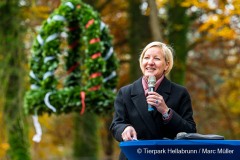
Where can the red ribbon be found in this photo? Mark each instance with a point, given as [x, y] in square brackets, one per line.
[96, 55]
[89, 23]
[73, 45]
[82, 96]
[96, 74]
[72, 68]
[72, 28]
[94, 88]
[94, 40]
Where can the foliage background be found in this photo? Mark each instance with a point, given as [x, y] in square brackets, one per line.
[210, 68]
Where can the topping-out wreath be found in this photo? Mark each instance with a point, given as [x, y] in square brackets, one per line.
[75, 45]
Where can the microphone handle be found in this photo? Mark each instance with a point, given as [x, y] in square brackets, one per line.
[150, 107]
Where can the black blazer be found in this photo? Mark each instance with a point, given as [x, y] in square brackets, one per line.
[131, 109]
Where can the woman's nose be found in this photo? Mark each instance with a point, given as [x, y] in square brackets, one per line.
[151, 61]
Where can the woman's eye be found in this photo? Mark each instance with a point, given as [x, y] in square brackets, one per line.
[146, 58]
[157, 58]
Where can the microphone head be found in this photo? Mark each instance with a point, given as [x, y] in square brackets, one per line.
[151, 81]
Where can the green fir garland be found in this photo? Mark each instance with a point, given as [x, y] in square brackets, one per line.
[90, 63]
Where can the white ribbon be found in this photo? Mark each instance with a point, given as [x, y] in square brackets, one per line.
[64, 34]
[47, 74]
[112, 75]
[33, 75]
[47, 103]
[37, 137]
[69, 4]
[109, 54]
[52, 37]
[34, 86]
[49, 20]
[114, 90]
[49, 58]
[58, 18]
[102, 25]
[36, 59]
[40, 40]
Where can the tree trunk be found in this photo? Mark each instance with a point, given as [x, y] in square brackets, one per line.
[139, 36]
[107, 138]
[154, 21]
[12, 79]
[178, 25]
[86, 144]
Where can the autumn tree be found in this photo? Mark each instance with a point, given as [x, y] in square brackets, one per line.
[177, 28]
[212, 59]
[12, 78]
[138, 36]
[203, 34]
[86, 139]
[156, 29]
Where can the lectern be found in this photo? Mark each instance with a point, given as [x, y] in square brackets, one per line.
[181, 149]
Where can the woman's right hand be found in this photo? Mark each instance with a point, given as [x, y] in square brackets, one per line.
[129, 134]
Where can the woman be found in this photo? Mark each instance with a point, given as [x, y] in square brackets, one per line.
[171, 102]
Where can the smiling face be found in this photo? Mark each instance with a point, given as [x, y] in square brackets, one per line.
[154, 63]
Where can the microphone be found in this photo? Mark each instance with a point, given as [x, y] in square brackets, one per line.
[151, 86]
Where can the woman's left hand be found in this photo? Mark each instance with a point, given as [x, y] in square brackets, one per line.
[157, 100]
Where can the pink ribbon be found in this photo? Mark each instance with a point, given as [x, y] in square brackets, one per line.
[94, 40]
[96, 74]
[96, 55]
[82, 96]
[89, 23]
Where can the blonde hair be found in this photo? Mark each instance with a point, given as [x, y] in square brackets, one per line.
[167, 51]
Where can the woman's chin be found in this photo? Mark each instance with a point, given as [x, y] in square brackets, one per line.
[149, 74]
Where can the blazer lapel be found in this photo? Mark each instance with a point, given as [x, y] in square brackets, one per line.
[164, 89]
[139, 100]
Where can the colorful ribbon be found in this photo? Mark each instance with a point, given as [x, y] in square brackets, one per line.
[94, 88]
[48, 74]
[72, 28]
[72, 68]
[73, 45]
[47, 103]
[82, 96]
[95, 75]
[102, 26]
[38, 136]
[40, 40]
[52, 37]
[96, 55]
[49, 58]
[112, 75]
[32, 75]
[58, 18]
[89, 23]
[34, 86]
[69, 4]
[94, 40]
[109, 54]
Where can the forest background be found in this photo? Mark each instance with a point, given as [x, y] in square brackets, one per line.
[205, 36]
